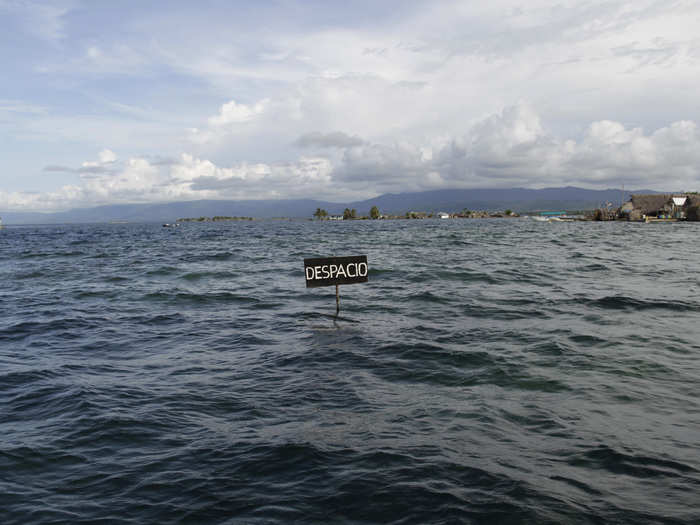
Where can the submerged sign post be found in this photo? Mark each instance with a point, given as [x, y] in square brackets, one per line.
[329, 271]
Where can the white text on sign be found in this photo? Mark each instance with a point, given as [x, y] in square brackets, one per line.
[328, 271]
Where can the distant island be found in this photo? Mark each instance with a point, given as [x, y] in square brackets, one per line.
[374, 214]
[217, 218]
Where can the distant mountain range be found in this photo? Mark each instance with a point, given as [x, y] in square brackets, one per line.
[517, 199]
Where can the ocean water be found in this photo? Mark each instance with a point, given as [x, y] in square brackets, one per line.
[491, 371]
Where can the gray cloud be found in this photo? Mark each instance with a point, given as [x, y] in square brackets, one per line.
[94, 169]
[83, 169]
[91, 169]
[214, 183]
[336, 139]
[381, 163]
[163, 161]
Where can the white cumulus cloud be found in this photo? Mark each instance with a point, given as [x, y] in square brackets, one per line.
[514, 147]
[235, 113]
[107, 156]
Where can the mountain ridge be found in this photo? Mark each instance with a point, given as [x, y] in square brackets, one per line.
[448, 200]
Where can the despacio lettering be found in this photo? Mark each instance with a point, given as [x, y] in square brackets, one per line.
[331, 271]
[336, 270]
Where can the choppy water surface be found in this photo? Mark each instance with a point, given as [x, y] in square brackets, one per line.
[496, 371]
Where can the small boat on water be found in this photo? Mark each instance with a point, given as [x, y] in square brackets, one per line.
[549, 216]
[659, 219]
[556, 218]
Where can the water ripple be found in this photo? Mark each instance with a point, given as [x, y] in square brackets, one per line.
[489, 372]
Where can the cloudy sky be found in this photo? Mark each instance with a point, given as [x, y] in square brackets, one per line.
[112, 102]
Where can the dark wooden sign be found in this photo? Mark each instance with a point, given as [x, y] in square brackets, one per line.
[327, 271]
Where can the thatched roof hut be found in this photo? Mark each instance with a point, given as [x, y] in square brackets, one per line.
[693, 200]
[692, 207]
[649, 204]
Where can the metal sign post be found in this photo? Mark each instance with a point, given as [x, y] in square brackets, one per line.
[329, 271]
[337, 299]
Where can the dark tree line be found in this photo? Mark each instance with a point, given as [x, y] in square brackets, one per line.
[348, 213]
